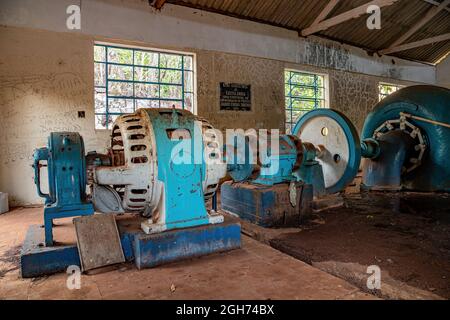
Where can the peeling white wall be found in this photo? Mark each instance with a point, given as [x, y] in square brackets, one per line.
[185, 27]
[443, 73]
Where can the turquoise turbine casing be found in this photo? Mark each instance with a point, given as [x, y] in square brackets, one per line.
[431, 103]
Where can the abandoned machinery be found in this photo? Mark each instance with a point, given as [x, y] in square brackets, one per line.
[405, 142]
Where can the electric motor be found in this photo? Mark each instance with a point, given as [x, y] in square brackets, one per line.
[133, 173]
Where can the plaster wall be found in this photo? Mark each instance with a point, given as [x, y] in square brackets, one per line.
[443, 73]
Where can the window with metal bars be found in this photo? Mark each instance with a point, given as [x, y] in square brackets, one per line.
[127, 79]
[303, 92]
[386, 89]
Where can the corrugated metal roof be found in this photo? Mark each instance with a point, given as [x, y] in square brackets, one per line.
[300, 14]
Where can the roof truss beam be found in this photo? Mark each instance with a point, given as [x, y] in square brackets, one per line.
[343, 17]
[158, 4]
[435, 3]
[325, 12]
[428, 16]
[416, 44]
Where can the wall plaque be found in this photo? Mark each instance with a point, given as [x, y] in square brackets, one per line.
[235, 97]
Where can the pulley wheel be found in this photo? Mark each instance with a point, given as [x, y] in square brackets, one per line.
[332, 132]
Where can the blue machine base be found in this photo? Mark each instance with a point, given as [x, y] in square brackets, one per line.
[267, 206]
[147, 250]
[151, 250]
[37, 260]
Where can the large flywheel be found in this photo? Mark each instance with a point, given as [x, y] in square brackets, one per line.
[338, 141]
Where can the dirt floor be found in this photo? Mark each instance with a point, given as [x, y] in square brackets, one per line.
[407, 235]
[256, 271]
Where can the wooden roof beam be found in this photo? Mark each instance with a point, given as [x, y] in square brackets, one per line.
[416, 44]
[158, 4]
[325, 12]
[428, 16]
[435, 3]
[343, 17]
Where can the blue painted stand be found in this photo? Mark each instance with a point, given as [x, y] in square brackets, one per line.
[147, 250]
[66, 165]
[267, 206]
[37, 260]
[52, 212]
[151, 250]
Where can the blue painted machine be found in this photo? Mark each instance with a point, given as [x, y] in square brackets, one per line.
[66, 164]
[405, 145]
[406, 141]
[158, 169]
[320, 158]
[155, 167]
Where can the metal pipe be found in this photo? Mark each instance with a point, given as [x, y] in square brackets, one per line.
[370, 148]
[438, 123]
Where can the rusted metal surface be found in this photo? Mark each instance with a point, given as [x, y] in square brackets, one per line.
[267, 206]
[94, 160]
[385, 172]
[300, 156]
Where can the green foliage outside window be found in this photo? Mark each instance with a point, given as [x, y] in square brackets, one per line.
[126, 79]
[303, 92]
[386, 89]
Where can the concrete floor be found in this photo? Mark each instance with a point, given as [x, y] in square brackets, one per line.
[254, 272]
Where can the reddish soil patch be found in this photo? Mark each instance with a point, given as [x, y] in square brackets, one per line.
[406, 234]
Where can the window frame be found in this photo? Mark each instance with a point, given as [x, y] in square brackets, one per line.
[381, 96]
[289, 96]
[159, 83]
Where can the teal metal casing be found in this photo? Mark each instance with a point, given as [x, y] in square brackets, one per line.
[181, 168]
[429, 102]
[151, 250]
[65, 159]
[312, 174]
[283, 197]
[286, 158]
